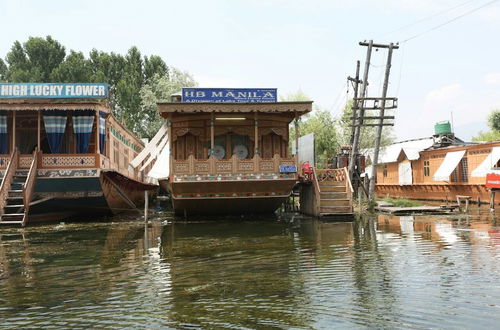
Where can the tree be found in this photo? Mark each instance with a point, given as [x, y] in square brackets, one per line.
[75, 68]
[494, 120]
[35, 60]
[159, 89]
[494, 133]
[3, 70]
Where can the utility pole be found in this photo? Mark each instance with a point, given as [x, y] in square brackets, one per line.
[356, 83]
[359, 105]
[363, 103]
[381, 121]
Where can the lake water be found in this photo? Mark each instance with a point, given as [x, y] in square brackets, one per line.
[378, 271]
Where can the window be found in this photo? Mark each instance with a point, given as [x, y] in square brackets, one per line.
[427, 171]
[464, 169]
[385, 171]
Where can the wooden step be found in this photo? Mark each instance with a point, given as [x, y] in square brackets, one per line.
[332, 188]
[335, 202]
[12, 214]
[333, 195]
[14, 205]
[11, 222]
[15, 191]
[335, 210]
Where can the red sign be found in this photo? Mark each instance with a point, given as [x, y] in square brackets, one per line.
[493, 180]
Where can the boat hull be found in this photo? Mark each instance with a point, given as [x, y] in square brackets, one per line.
[230, 197]
[60, 194]
[437, 192]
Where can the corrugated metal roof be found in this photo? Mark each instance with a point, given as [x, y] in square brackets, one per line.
[411, 148]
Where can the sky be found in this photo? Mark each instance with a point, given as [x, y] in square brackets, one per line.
[446, 73]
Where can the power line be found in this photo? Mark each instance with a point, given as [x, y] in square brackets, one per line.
[449, 21]
[426, 18]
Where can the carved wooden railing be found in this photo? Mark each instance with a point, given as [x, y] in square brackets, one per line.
[7, 179]
[234, 165]
[48, 161]
[29, 185]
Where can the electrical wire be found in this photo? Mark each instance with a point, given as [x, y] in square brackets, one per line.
[448, 21]
[425, 19]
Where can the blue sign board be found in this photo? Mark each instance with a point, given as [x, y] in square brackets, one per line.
[53, 90]
[229, 95]
[288, 169]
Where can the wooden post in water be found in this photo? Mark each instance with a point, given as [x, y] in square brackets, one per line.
[146, 202]
[492, 200]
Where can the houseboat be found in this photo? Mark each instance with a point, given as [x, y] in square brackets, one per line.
[64, 154]
[438, 168]
[229, 150]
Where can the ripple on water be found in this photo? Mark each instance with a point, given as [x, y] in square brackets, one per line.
[417, 272]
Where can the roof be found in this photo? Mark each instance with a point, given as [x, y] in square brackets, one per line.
[209, 107]
[411, 149]
[30, 106]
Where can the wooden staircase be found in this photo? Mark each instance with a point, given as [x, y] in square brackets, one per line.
[333, 192]
[16, 191]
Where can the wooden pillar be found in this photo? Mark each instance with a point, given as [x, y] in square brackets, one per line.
[170, 144]
[38, 135]
[212, 133]
[256, 124]
[296, 123]
[97, 127]
[492, 200]
[13, 130]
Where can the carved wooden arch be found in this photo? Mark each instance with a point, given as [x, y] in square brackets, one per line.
[181, 131]
[278, 131]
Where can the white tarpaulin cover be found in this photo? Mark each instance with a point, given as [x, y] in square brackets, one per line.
[487, 164]
[405, 174]
[448, 165]
[161, 168]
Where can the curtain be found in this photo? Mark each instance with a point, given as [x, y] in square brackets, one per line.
[102, 131]
[55, 126]
[83, 121]
[4, 136]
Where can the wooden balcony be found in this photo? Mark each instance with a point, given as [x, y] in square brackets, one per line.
[234, 165]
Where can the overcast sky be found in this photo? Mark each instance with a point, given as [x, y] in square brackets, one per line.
[452, 71]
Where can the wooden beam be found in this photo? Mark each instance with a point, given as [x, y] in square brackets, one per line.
[38, 137]
[97, 140]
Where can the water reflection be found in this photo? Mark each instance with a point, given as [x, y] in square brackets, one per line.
[379, 271]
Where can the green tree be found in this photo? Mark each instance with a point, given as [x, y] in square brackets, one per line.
[159, 89]
[494, 133]
[75, 68]
[35, 60]
[494, 120]
[3, 70]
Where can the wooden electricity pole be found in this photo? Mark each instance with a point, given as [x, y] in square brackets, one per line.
[380, 122]
[355, 81]
[363, 103]
[359, 105]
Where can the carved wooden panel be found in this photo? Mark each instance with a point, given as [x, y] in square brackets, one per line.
[276, 144]
[25, 161]
[266, 166]
[267, 147]
[68, 161]
[190, 145]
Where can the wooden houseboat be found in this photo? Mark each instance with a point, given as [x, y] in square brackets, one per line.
[439, 172]
[230, 158]
[61, 158]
